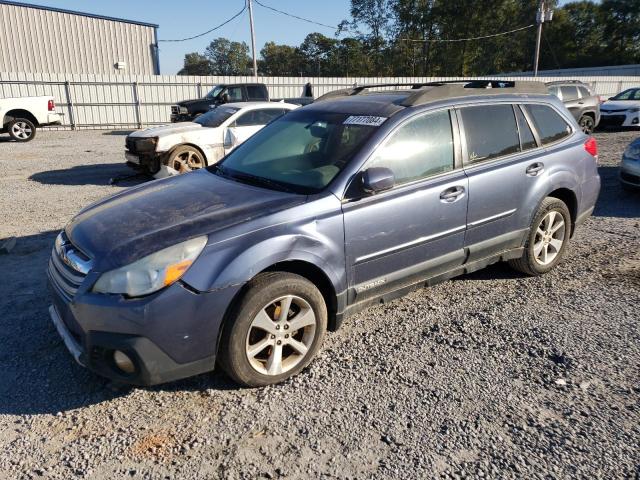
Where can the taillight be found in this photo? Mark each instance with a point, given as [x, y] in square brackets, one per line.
[51, 105]
[591, 146]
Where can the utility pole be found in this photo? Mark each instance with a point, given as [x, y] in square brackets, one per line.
[543, 15]
[253, 40]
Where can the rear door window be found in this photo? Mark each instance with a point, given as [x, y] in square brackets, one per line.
[569, 93]
[550, 125]
[527, 140]
[254, 92]
[490, 131]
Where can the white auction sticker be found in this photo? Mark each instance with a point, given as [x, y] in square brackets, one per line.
[364, 120]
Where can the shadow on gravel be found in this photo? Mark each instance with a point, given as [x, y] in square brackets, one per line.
[38, 375]
[99, 174]
[614, 201]
[119, 132]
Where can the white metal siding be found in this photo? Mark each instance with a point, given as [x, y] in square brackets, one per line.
[109, 101]
[44, 41]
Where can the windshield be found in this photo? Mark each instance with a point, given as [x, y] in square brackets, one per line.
[301, 152]
[631, 94]
[215, 91]
[215, 117]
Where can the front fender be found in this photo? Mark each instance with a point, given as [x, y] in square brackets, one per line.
[236, 261]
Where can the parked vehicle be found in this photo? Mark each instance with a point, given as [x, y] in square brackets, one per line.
[622, 110]
[21, 116]
[187, 110]
[630, 166]
[179, 148]
[580, 100]
[348, 202]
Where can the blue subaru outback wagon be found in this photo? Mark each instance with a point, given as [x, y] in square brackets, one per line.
[351, 201]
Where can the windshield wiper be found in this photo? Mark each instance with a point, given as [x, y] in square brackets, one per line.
[259, 181]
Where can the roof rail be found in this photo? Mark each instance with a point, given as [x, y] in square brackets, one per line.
[445, 88]
[474, 88]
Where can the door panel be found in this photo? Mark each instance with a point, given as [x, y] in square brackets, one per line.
[400, 235]
[498, 179]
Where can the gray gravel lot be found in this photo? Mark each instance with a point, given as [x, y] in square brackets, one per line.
[490, 375]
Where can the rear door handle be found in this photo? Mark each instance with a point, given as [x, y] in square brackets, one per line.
[535, 169]
[451, 194]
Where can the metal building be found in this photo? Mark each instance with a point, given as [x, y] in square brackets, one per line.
[37, 39]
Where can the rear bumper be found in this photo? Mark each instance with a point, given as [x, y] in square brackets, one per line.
[53, 119]
[169, 335]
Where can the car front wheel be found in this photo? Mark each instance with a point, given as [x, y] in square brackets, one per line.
[274, 331]
[548, 238]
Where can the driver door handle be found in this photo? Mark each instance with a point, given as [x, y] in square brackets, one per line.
[451, 194]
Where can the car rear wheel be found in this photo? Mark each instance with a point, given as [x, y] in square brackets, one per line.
[186, 159]
[587, 124]
[21, 129]
[548, 238]
[274, 331]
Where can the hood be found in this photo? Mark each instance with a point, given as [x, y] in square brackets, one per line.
[619, 105]
[196, 101]
[167, 129]
[141, 220]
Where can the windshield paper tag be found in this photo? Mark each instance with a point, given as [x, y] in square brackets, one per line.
[364, 120]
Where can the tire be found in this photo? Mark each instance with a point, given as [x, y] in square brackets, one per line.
[21, 130]
[535, 261]
[186, 158]
[240, 353]
[587, 124]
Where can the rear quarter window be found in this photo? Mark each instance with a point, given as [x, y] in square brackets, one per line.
[550, 125]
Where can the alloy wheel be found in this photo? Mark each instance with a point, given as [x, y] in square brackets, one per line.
[21, 130]
[280, 335]
[550, 236]
[187, 161]
[586, 124]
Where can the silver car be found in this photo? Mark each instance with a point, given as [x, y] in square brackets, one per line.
[630, 166]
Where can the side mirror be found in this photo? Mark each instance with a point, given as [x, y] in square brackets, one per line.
[377, 179]
[224, 98]
[229, 139]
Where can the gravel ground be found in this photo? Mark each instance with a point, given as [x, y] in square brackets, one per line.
[490, 375]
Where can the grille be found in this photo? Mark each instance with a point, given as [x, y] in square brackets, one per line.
[175, 110]
[68, 275]
[612, 119]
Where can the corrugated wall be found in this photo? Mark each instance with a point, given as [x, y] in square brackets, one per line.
[117, 101]
[38, 40]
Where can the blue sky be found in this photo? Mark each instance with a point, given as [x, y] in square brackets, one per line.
[190, 17]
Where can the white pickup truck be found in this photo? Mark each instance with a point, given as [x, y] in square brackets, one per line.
[21, 116]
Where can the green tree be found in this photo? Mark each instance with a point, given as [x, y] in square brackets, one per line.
[196, 64]
[228, 57]
[319, 50]
[281, 60]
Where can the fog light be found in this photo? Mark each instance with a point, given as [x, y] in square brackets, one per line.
[635, 120]
[123, 362]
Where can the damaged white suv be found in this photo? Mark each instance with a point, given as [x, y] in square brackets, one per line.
[186, 146]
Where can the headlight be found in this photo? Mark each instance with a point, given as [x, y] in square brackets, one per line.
[153, 272]
[634, 110]
[632, 151]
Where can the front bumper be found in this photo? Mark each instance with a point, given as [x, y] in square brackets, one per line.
[169, 335]
[630, 172]
[148, 163]
[620, 119]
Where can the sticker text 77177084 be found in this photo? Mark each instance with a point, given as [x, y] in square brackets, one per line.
[364, 120]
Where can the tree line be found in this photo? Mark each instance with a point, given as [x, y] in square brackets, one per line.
[421, 38]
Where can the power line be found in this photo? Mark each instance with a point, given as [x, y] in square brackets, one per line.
[443, 40]
[209, 31]
[297, 17]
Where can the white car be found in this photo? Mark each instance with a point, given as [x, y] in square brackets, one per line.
[185, 146]
[623, 110]
[22, 115]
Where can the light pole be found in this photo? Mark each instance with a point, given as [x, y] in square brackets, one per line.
[253, 40]
[543, 15]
